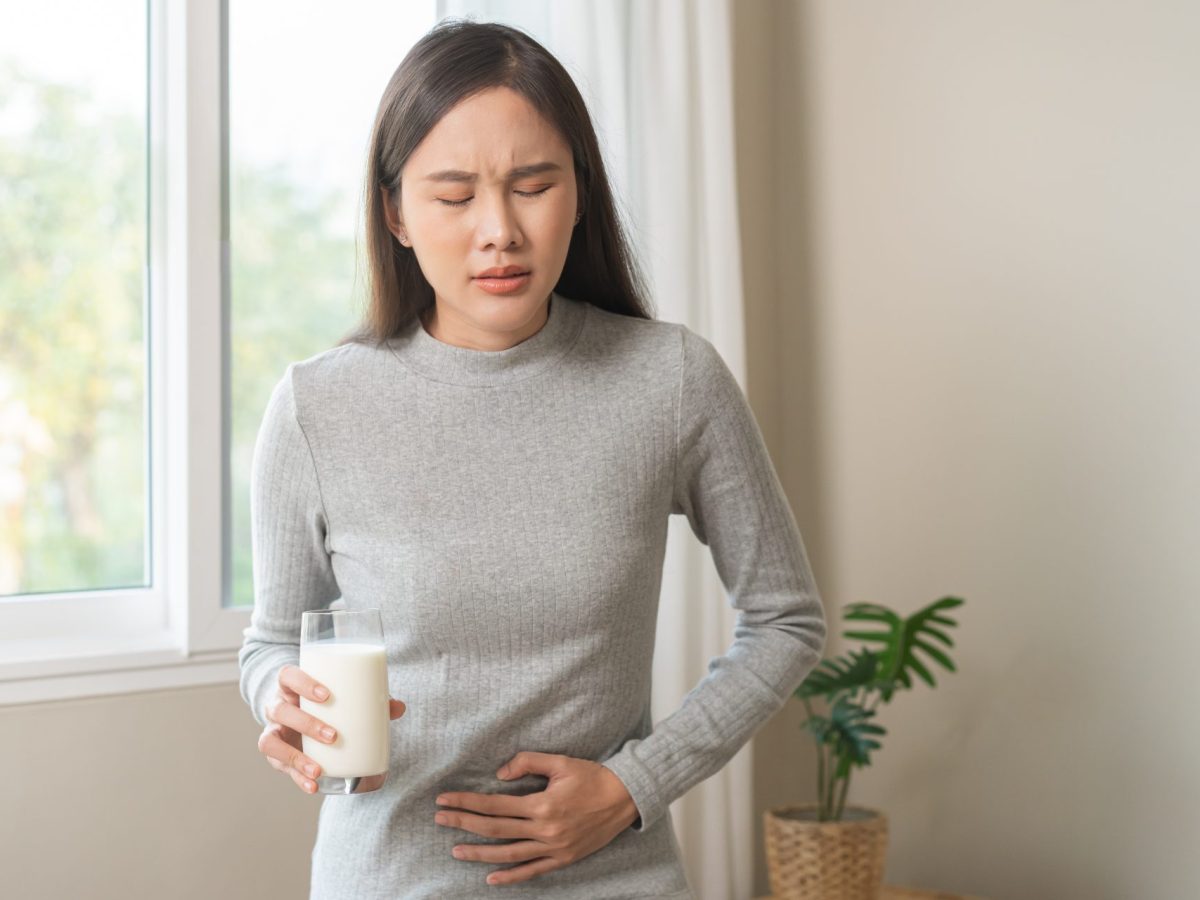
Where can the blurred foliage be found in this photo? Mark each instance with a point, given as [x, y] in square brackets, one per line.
[73, 360]
[856, 683]
[293, 278]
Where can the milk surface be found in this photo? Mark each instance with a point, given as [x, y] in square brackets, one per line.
[357, 707]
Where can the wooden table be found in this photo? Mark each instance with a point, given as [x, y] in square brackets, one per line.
[891, 892]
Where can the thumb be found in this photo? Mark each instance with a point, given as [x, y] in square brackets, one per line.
[528, 761]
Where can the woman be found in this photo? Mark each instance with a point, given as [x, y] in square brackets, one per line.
[492, 460]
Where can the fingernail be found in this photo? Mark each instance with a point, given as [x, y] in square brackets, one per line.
[311, 770]
[321, 693]
[328, 732]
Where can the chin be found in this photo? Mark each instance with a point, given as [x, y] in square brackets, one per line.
[509, 306]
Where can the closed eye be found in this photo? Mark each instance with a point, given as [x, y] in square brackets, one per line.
[467, 200]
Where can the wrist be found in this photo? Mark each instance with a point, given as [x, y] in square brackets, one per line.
[629, 811]
[632, 816]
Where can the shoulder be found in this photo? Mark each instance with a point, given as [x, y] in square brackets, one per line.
[650, 345]
[327, 378]
[703, 365]
[646, 346]
[707, 385]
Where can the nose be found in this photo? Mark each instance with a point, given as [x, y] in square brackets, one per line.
[498, 225]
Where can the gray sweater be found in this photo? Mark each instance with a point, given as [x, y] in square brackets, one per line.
[507, 512]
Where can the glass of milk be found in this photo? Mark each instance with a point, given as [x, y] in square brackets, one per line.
[343, 649]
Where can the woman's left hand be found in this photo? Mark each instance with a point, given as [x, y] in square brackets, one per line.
[581, 810]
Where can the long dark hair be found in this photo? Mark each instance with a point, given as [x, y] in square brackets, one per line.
[455, 59]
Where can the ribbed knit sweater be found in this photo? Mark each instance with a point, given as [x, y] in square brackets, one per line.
[507, 511]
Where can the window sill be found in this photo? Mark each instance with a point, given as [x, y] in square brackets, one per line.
[42, 671]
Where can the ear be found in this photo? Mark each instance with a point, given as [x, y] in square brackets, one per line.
[392, 215]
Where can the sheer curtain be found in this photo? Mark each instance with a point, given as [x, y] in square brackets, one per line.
[657, 78]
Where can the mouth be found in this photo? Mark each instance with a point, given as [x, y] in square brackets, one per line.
[503, 272]
[507, 284]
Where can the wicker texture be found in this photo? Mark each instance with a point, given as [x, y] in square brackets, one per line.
[811, 860]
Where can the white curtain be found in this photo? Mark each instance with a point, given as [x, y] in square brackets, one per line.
[657, 78]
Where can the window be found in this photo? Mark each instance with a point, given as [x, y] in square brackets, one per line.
[299, 129]
[72, 305]
[180, 206]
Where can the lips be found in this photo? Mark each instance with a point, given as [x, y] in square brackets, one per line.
[502, 272]
[504, 285]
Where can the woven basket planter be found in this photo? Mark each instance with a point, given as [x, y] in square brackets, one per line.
[811, 860]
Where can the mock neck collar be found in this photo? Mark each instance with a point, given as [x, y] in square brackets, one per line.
[439, 361]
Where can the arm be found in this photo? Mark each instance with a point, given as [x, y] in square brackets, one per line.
[727, 487]
[292, 570]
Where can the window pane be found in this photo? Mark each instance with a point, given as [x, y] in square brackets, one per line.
[73, 242]
[304, 82]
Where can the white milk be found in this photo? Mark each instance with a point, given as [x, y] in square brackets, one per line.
[357, 707]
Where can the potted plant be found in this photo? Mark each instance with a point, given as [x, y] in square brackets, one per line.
[826, 850]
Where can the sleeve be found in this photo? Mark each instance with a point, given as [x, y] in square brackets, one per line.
[727, 487]
[290, 557]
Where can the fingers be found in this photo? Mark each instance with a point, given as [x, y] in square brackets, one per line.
[280, 742]
[516, 806]
[286, 713]
[294, 683]
[285, 757]
[493, 826]
[525, 872]
[520, 851]
[302, 684]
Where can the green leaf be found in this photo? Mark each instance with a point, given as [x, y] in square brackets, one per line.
[843, 767]
[868, 635]
[916, 665]
[871, 612]
[850, 733]
[939, 634]
[900, 656]
[839, 674]
[935, 653]
[817, 726]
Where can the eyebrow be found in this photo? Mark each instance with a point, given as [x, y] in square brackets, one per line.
[458, 175]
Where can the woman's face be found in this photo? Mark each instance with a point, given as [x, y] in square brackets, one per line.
[492, 184]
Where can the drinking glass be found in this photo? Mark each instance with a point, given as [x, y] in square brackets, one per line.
[343, 649]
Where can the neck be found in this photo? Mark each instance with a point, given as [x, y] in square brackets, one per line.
[448, 363]
[442, 323]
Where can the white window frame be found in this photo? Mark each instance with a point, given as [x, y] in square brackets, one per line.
[177, 632]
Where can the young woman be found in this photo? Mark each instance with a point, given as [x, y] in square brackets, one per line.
[492, 460]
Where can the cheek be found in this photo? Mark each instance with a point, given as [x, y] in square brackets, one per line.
[557, 221]
[442, 231]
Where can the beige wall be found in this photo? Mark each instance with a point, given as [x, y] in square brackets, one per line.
[153, 795]
[780, 359]
[985, 229]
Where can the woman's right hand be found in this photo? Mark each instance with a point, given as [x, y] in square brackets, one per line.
[280, 741]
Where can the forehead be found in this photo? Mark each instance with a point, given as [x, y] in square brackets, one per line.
[489, 133]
